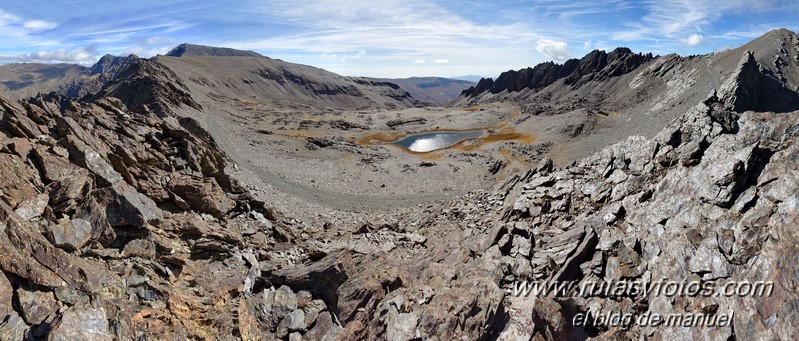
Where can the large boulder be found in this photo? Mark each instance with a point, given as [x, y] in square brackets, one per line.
[70, 234]
[81, 323]
[33, 207]
[6, 294]
[124, 206]
[202, 194]
[36, 305]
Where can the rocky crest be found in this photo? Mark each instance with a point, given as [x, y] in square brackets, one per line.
[597, 65]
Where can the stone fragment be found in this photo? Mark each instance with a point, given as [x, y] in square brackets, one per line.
[36, 305]
[139, 248]
[202, 194]
[33, 207]
[70, 235]
[6, 295]
[294, 322]
[13, 327]
[124, 206]
[324, 328]
[81, 323]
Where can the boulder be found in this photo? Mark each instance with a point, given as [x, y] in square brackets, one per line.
[124, 206]
[139, 248]
[322, 278]
[202, 194]
[85, 156]
[36, 305]
[13, 327]
[33, 207]
[70, 235]
[81, 323]
[20, 186]
[324, 328]
[6, 294]
[271, 307]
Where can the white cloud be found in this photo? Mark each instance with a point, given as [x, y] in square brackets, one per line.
[360, 54]
[441, 61]
[419, 61]
[39, 25]
[693, 40]
[83, 55]
[554, 49]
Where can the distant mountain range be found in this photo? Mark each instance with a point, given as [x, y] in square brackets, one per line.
[234, 72]
[432, 90]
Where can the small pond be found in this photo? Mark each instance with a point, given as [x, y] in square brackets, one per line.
[427, 142]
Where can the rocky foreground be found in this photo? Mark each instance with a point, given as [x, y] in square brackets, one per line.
[118, 220]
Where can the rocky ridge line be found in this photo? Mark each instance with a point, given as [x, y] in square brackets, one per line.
[595, 66]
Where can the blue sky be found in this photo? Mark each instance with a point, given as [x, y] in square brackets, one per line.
[386, 38]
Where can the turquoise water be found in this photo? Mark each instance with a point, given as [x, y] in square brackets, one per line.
[427, 142]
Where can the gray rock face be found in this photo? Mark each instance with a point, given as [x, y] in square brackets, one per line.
[597, 65]
[125, 206]
[33, 207]
[702, 220]
[204, 195]
[13, 328]
[81, 323]
[36, 305]
[70, 234]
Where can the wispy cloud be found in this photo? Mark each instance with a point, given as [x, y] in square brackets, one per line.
[678, 19]
[39, 25]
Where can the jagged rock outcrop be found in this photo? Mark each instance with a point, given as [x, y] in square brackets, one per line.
[597, 65]
[147, 86]
[755, 88]
[696, 207]
[93, 232]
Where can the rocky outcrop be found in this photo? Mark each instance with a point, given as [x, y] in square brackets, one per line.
[698, 208]
[753, 87]
[597, 65]
[148, 87]
[92, 232]
[400, 122]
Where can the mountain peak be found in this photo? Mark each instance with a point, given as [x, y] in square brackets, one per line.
[189, 50]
